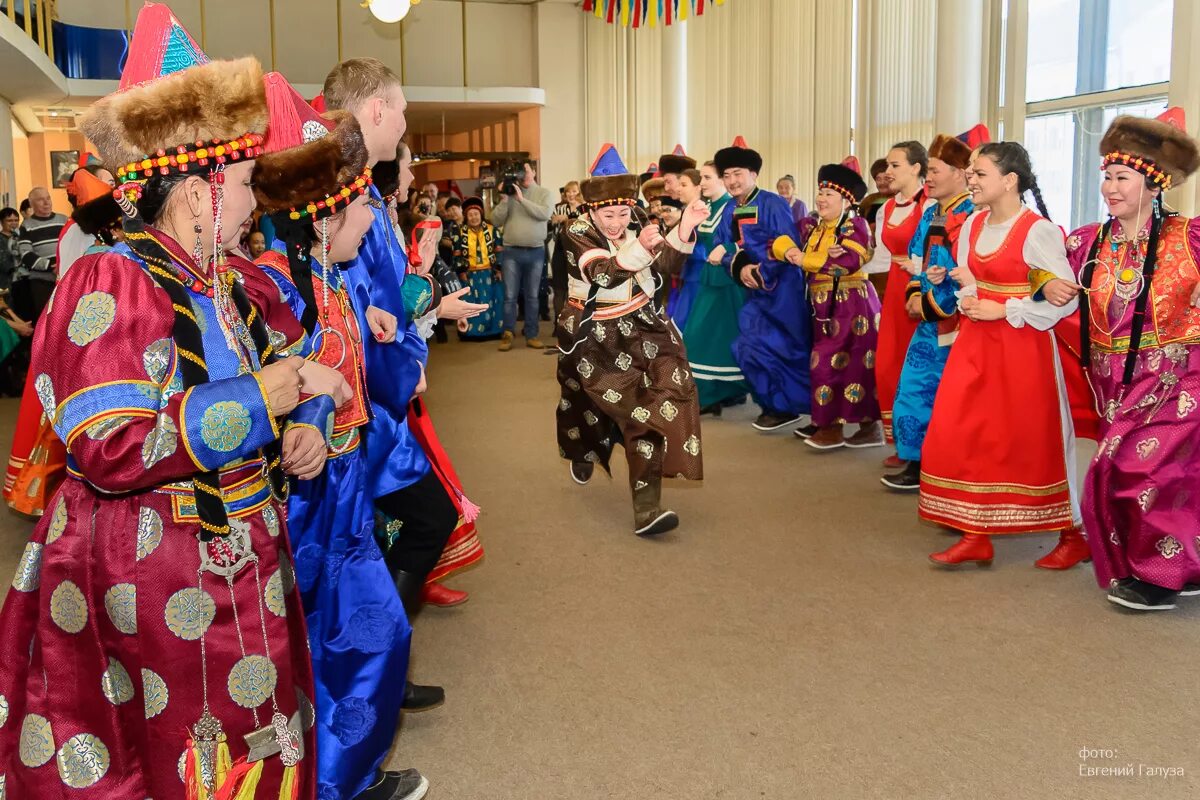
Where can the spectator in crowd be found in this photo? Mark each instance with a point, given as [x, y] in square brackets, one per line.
[524, 217]
[26, 209]
[10, 221]
[256, 243]
[786, 188]
[569, 209]
[37, 246]
[452, 219]
[430, 190]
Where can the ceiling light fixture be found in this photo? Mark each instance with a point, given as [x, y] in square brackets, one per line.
[389, 10]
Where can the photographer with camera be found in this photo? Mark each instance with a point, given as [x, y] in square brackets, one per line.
[524, 213]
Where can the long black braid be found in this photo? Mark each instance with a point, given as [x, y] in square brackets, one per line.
[298, 237]
[189, 342]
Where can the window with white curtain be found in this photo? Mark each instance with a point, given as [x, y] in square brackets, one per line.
[1088, 61]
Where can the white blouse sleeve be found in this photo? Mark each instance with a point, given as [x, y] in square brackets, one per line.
[1045, 249]
[961, 257]
[881, 259]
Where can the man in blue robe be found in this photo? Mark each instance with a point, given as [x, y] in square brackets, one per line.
[775, 324]
[932, 292]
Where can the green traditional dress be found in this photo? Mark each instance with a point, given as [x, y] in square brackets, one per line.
[712, 324]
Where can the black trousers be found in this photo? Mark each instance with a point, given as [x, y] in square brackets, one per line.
[29, 298]
[427, 517]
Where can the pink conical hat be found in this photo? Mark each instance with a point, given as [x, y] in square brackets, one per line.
[160, 46]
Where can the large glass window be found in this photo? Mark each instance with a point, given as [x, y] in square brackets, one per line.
[1087, 62]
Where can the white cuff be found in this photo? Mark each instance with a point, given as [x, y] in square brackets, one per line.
[970, 290]
[677, 242]
[1014, 312]
[632, 257]
[426, 324]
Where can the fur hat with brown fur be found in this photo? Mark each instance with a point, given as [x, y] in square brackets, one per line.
[654, 189]
[1157, 149]
[308, 176]
[220, 100]
[950, 150]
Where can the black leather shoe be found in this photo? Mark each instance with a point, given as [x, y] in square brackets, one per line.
[581, 471]
[422, 698]
[409, 586]
[1190, 590]
[907, 480]
[714, 409]
[1141, 596]
[807, 432]
[404, 785]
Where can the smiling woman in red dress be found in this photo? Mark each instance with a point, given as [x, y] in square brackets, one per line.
[1001, 444]
[895, 226]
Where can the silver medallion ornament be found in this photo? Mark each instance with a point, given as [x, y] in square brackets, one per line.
[625, 326]
[650, 349]
[641, 415]
[668, 410]
[692, 446]
[586, 368]
[624, 361]
[612, 396]
[645, 449]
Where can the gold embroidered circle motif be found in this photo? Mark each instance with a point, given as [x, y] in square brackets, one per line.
[149, 532]
[68, 609]
[251, 681]
[29, 569]
[155, 691]
[58, 521]
[37, 741]
[94, 315]
[116, 683]
[3, 711]
[840, 360]
[275, 595]
[82, 761]
[225, 426]
[121, 604]
[189, 612]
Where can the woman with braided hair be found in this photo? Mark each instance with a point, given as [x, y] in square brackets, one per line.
[831, 248]
[156, 638]
[999, 457]
[1139, 269]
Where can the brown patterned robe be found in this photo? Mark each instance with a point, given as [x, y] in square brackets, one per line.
[627, 379]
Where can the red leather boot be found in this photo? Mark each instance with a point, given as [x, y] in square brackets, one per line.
[972, 547]
[1070, 550]
[435, 594]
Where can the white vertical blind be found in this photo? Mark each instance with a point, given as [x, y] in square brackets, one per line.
[897, 78]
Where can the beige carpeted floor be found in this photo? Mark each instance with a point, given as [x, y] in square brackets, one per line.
[789, 641]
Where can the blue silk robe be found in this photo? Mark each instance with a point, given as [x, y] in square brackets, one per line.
[775, 324]
[933, 244]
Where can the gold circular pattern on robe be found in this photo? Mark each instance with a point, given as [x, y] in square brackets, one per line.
[154, 690]
[121, 604]
[225, 425]
[824, 395]
[29, 569]
[271, 519]
[275, 597]
[869, 359]
[163, 441]
[99, 431]
[82, 761]
[94, 315]
[840, 360]
[45, 393]
[37, 741]
[251, 681]
[861, 325]
[156, 359]
[149, 532]
[116, 683]
[68, 609]
[189, 612]
[58, 521]
[3, 711]
[855, 392]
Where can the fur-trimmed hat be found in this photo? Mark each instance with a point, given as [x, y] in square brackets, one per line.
[675, 162]
[176, 111]
[472, 202]
[843, 180]
[314, 165]
[610, 184]
[735, 157]
[1154, 147]
[653, 189]
[951, 150]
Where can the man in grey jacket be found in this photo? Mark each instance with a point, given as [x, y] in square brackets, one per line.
[524, 215]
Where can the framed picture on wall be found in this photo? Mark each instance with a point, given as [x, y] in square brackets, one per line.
[63, 164]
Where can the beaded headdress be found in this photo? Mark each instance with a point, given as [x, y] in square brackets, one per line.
[1158, 148]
